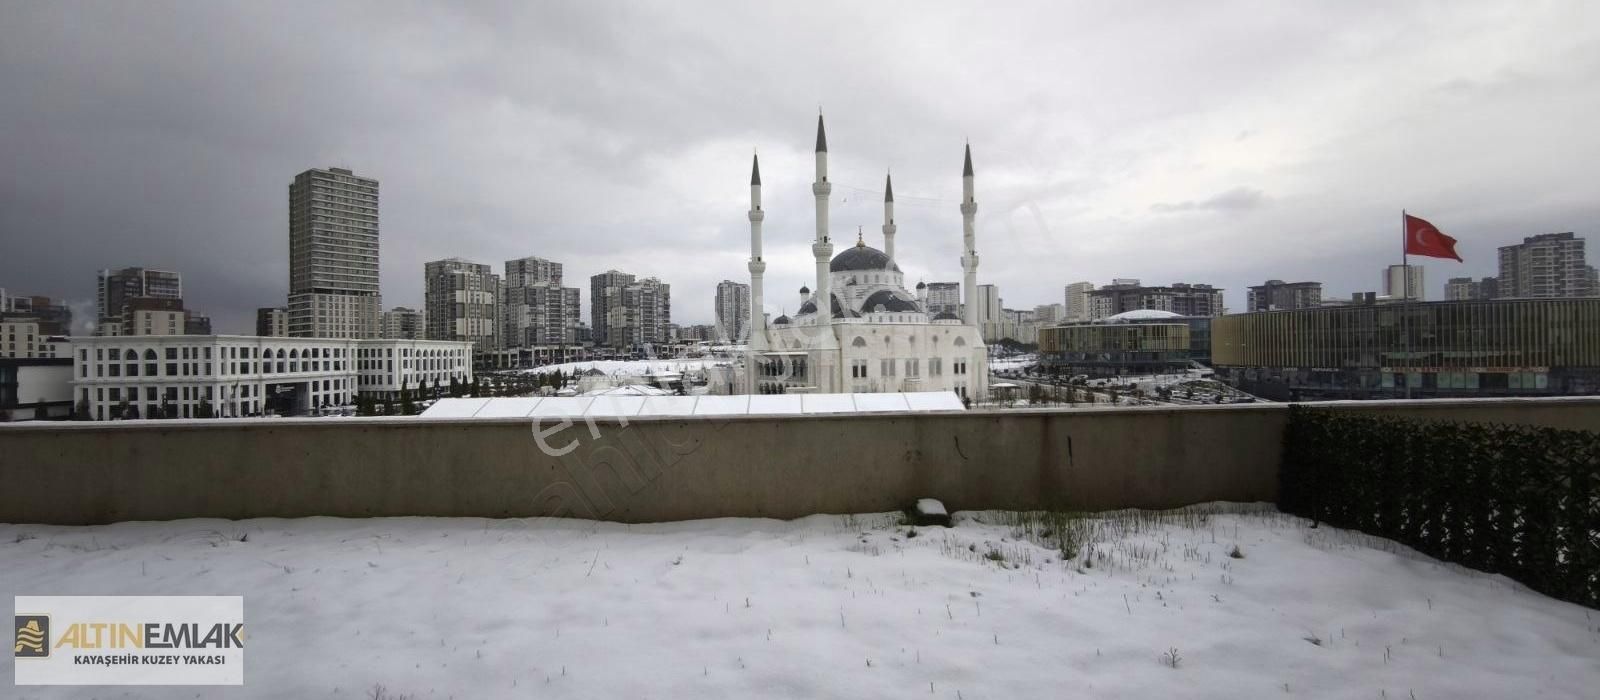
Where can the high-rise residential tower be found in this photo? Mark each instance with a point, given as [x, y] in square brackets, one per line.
[1397, 286]
[1077, 301]
[1547, 265]
[733, 311]
[272, 321]
[401, 323]
[461, 301]
[118, 288]
[537, 310]
[600, 302]
[1278, 295]
[333, 255]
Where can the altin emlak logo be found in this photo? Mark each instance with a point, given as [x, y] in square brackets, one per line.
[151, 635]
[128, 640]
[33, 637]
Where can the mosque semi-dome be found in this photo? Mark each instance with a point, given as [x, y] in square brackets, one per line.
[885, 301]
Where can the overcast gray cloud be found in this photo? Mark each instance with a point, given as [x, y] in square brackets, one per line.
[1202, 142]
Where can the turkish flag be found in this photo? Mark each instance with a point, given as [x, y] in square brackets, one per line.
[1425, 239]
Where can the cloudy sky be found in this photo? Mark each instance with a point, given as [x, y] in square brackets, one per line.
[1215, 142]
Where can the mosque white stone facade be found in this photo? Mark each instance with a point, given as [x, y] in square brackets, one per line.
[861, 331]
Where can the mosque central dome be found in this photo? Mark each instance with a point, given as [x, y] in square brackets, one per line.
[862, 257]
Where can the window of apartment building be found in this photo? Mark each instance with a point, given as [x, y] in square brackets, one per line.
[172, 369]
[858, 369]
[935, 366]
[911, 367]
[886, 367]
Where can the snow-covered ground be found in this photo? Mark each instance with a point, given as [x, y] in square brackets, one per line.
[828, 606]
[629, 367]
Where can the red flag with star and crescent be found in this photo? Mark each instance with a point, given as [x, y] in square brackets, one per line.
[1425, 239]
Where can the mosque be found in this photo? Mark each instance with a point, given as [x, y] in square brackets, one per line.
[861, 331]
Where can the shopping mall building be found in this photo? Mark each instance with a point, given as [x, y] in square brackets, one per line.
[1502, 347]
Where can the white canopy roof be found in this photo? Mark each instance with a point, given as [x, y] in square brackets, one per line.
[684, 406]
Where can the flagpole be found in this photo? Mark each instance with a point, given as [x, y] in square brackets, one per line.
[1405, 304]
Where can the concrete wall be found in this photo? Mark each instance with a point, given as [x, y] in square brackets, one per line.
[672, 469]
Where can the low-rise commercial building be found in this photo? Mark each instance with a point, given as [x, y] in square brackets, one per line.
[35, 388]
[1134, 342]
[183, 376]
[1505, 347]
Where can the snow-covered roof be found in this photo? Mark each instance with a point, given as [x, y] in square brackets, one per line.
[1143, 315]
[628, 390]
[741, 405]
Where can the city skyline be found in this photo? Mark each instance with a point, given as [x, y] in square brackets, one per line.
[1229, 188]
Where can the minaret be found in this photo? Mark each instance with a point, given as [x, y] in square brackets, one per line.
[822, 247]
[969, 255]
[888, 217]
[758, 318]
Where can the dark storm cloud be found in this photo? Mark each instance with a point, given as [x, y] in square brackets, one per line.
[618, 136]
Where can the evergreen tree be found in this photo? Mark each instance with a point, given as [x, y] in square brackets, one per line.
[81, 411]
[455, 386]
[407, 406]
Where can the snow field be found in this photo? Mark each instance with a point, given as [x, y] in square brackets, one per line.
[1147, 605]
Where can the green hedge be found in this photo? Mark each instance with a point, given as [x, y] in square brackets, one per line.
[1515, 500]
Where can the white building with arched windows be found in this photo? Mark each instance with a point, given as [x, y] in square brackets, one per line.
[173, 375]
[861, 331]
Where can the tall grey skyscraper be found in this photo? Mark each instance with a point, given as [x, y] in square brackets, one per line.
[1547, 265]
[733, 311]
[537, 310]
[333, 255]
[118, 288]
[462, 302]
